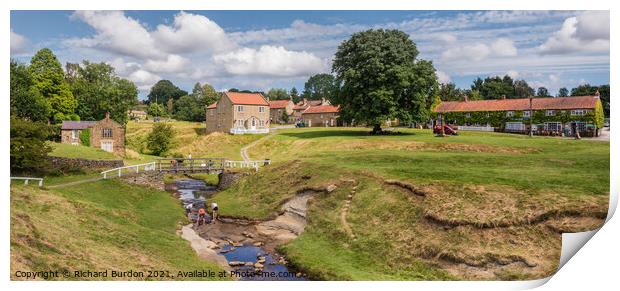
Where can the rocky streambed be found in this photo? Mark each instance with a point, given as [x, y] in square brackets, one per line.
[246, 248]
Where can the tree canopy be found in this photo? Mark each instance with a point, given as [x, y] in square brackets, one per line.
[98, 90]
[382, 79]
[563, 92]
[161, 139]
[320, 86]
[277, 94]
[28, 147]
[26, 100]
[188, 109]
[164, 90]
[49, 79]
[542, 92]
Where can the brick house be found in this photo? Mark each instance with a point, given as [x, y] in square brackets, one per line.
[321, 116]
[304, 104]
[105, 134]
[277, 108]
[238, 113]
[549, 115]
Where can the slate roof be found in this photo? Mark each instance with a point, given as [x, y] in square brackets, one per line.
[69, 125]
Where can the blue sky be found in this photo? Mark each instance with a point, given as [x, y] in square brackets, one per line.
[258, 50]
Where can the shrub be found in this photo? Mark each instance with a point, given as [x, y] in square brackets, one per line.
[85, 137]
[161, 139]
[28, 148]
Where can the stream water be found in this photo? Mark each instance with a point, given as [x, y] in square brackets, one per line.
[196, 192]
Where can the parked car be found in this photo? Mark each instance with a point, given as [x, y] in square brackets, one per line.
[300, 124]
[446, 129]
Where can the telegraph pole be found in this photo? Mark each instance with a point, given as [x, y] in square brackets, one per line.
[531, 117]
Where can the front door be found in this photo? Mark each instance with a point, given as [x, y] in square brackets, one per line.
[253, 123]
[107, 146]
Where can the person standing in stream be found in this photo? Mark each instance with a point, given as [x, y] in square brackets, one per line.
[214, 210]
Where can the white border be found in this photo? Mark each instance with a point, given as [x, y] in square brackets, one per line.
[595, 265]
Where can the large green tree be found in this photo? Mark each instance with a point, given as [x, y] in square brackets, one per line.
[98, 90]
[499, 87]
[320, 86]
[295, 95]
[382, 79]
[204, 94]
[26, 100]
[589, 90]
[188, 109]
[563, 92]
[277, 94]
[542, 92]
[49, 79]
[164, 90]
[449, 92]
[523, 89]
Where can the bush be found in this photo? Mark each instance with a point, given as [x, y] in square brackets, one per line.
[85, 137]
[161, 139]
[28, 148]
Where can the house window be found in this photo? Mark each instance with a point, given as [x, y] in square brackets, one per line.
[74, 134]
[211, 112]
[515, 126]
[510, 113]
[578, 112]
[106, 133]
[239, 108]
[550, 113]
[468, 115]
[261, 109]
[527, 113]
[262, 123]
[553, 126]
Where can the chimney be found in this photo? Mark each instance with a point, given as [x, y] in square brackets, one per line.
[466, 98]
[503, 97]
[107, 115]
[597, 94]
[305, 101]
[322, 100]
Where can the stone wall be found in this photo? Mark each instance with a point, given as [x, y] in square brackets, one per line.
[228, 179]
[72, 163]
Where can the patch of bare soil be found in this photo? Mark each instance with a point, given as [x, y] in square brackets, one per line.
[419, 146]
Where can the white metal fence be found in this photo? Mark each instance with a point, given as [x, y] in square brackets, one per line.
[27, 180]
[133, 169]
[476, 128]
[246, 164]
[248, 131]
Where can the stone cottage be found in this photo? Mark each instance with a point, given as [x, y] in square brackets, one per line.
[304, 104]
[238, 113]
[322, 115]
[105, 134]
[277, 109]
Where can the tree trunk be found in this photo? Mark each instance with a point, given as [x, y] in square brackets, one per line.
[377, 129]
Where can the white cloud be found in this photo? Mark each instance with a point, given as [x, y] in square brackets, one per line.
[442, 77]
[504, 47]
[144, 80]
[587, 32]
[269, 60]
[513, 74]
[192, 32]
[117, 33]
[172, 64]
[18, 43]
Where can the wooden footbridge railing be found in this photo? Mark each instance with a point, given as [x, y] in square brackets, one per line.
[184, 165]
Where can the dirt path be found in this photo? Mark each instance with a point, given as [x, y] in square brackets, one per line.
[345, 211]
[75, 183]
[204, 248]
[244, 150]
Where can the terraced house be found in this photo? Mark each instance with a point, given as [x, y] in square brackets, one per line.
[238, 113]
[548, 115]
[279, 108]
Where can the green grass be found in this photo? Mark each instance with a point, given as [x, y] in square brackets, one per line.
[98, 226]
[476, 178]
[78, 151]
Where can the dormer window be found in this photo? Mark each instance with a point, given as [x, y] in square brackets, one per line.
[550, 113]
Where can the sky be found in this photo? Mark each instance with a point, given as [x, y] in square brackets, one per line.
[258, 50]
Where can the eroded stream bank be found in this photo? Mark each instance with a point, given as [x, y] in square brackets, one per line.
[244, 247]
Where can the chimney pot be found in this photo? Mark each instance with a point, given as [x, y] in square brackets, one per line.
[107, 115]
[466, 98]
[597, 93]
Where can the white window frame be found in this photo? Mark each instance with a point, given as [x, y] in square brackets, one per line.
[239, 108]
[527, 113]
[74, 133]
[515, 126]
[468, 115]
[261, 109]
[578, 112]
[550, 113]
[510, 113]
[553, 126]
[105, 131]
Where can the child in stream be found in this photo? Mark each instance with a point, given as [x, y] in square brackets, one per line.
[214, 210]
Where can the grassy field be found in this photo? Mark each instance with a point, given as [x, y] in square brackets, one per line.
[83, 152]
[105, 225]
[191, 139]
[488, 206]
